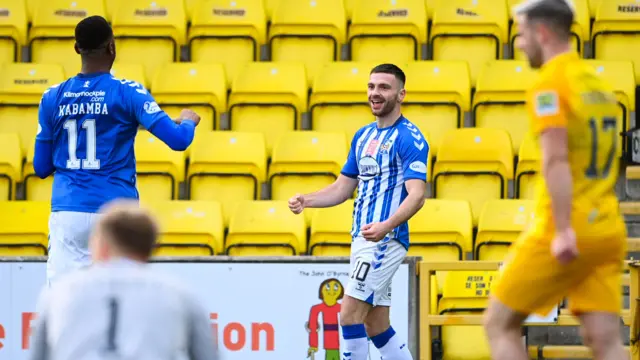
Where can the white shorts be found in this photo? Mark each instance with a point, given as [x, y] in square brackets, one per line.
[372, 268]
[68, 242]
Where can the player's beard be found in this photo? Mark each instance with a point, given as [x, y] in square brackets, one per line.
[535, 56]
[385, 108]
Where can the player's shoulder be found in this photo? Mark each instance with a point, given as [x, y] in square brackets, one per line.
[127, 86]
[52, 91]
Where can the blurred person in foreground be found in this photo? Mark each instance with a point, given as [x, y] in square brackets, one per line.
[577, 242]
[119, 308]
[86, 131]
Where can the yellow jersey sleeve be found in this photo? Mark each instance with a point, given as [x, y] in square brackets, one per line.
[547, 106]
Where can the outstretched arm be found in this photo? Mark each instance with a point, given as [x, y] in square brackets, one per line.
[334, 194]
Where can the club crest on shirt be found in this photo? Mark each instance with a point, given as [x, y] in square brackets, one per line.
[384, 148]
[368, 168]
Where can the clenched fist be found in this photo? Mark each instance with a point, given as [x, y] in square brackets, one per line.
[296, 204]
[187, 114]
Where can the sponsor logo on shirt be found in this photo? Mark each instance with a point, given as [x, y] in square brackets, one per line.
[368, 168]
[418, 166]
[546, 103]
[151, 107]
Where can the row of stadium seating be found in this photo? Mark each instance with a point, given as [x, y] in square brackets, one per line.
[271, 98]
[309, 31]
[441, 231]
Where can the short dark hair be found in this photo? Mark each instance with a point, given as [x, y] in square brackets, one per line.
[557, 14]
[391, 69]
[321, 295]
[129, 228]
[92, 33]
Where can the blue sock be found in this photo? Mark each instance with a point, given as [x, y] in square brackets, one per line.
[356, 345]
[390, 346]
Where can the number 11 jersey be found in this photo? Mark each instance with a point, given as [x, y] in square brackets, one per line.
[91, 121]
[570, 94]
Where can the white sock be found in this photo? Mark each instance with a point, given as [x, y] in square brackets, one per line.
[356, 344]
[391, 347]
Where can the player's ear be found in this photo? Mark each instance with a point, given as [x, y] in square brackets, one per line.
[401, 94]
[76, 48]
[111, 47]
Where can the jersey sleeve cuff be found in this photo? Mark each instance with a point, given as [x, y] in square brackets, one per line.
[415, 177]
[353, 176]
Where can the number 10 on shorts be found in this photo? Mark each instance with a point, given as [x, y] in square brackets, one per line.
[360, 270]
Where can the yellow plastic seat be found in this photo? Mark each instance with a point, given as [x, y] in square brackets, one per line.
[438, 95]
[616, 33]
[110, 7]
[580, 30]
[619, 75]
[21, 89]
[228, 32]
[24, 228]
[349, 5]
[499, 101]
[473, 164]
[528, 168]
[469, 30]
[308, 31]
[265, 228]
[197, 86]
[188, 228]
[52, 34]
[269, 98]
[10, 165]
[500, 224]
[331, 231]
[304, 162]
[388, 31]
[465, 292]
[150, 32]
[442, 230]
[32, 5]
[159, 169]
[593, 7]
[430, 5]
[35, 189]
[132, 72]
[270, 7]
[228, 167]
[338, 100]
[190, 6]
[13, 29]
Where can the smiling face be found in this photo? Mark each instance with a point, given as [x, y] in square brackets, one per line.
[331, 291]
[385, 93]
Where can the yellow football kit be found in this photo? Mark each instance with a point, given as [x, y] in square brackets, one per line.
[569, 94]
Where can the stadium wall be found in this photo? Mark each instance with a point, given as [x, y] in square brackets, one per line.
[258, 307]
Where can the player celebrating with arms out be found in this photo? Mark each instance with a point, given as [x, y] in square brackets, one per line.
[387, 163]
[577, 242]
[86, 131]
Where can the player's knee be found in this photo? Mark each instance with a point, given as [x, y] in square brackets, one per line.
[376, 325]
[601, 338]
[353, 312]
[499, 319]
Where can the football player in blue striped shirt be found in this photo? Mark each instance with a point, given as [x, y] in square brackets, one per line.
[86, 131]
[388, 165]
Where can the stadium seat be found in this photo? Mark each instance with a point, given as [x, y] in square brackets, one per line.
[10, 164]
[338, 100]
[52, 34]
[528, 167]
[265, 228]
[500, 224]
[150, 32]
[619, 75]
[269, 98]
[270, 7]
[35, 189]
[473, 164]
[21, 88]
[13, 30]
[580, 30]
[311, 32]
[430, 5]
[227, 167]
[24, 228]
[188, 228]
[304, 162]
[228, 32]
[190, 6]
[469, 30]
[159, 169]
[331, 231]
[32, 5]
[499, 101]
[465, 292]
[111, 6]
[132, 72]
[388, 31]
[197, 86]
[616, 33]
[593, 7]
[438, 95]
[442, 230]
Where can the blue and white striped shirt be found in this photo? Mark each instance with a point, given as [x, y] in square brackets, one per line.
[382, 160]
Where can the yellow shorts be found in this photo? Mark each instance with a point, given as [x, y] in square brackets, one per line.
[532, 280]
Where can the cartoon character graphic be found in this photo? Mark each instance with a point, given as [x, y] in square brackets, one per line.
[330, 292]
